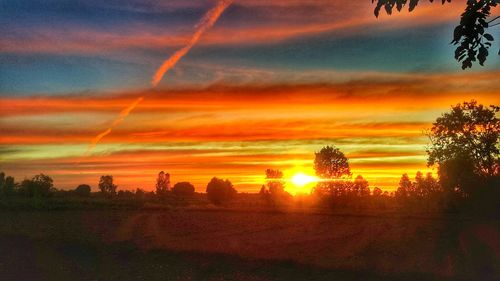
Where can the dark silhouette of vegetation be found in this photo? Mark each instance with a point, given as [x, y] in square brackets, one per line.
[83, 190]
[39, 186]
[220, 191]
[7, 185]
[162, 183]
[424, 193]
[470, 36]
[464, 144]
[106, 186]
[331, 163]
[274, 191]
[183, 189]
[465, 147]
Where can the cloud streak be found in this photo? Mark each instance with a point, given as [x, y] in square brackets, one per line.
[206, 23]
[121, 117]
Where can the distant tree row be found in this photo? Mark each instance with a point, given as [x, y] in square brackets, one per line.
[464, 145]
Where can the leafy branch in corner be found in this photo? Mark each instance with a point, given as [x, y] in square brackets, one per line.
[470, 36]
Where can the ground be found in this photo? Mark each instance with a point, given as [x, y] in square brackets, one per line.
[218, 244]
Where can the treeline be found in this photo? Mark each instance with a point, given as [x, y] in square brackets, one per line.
[218, 191]
[464, 145]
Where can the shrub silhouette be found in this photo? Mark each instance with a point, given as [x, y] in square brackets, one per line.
[183, 189]
[83, 190]
[39, 186]
[220, 191]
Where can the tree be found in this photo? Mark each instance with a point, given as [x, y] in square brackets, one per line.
[83, 190]
[106, 185]
[7, 185]
[162, 183]
[469, 36]
[38, 186]
[404, 188]
[220, 191]
[360, 187]
[419, 189]
[331, 163]
[464, 143]
[275, 183]
[183, 189]
[377, 192]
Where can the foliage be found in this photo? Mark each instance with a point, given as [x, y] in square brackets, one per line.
[275, 192]
[331, 163]
[39, 186]
[83, 190]
[183, 189]
[220, 191]
[465, 145]
[7, 185]
[275, 183]
[377, 192]
[106, 185]
[162, 183]
[360, 187]
[422, 193]
[469, 36]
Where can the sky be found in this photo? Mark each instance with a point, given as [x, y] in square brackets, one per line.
[268, 85]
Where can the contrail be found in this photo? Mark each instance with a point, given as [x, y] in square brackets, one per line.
[205, 24]
[124, 113]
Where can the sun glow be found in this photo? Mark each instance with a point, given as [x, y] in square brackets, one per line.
[301, 179]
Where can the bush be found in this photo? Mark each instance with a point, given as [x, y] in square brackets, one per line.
[220, 191]
[183, 189]
[83, 190]
[39, 186]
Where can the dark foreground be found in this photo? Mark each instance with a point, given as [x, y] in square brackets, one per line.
[225, 245]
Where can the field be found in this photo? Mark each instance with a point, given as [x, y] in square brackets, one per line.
[218, 244]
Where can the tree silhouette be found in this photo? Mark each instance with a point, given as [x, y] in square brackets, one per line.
[220, 191]
[275, 183]
[360, 187]
[405, 187]
[331, 163]
[106, 185]
[377, 192]
[7, 185]
[183, 189]
[465, 146]
[162, 183]
[469, 36]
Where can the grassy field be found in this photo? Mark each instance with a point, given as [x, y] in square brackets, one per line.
[218, 244]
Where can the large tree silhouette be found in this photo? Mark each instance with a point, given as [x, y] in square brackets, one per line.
[331, 163]
[470, 36]
[465, 145]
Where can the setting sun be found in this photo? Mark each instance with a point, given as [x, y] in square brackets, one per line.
[301, 179]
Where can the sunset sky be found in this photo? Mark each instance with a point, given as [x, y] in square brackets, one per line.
[271, 83]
